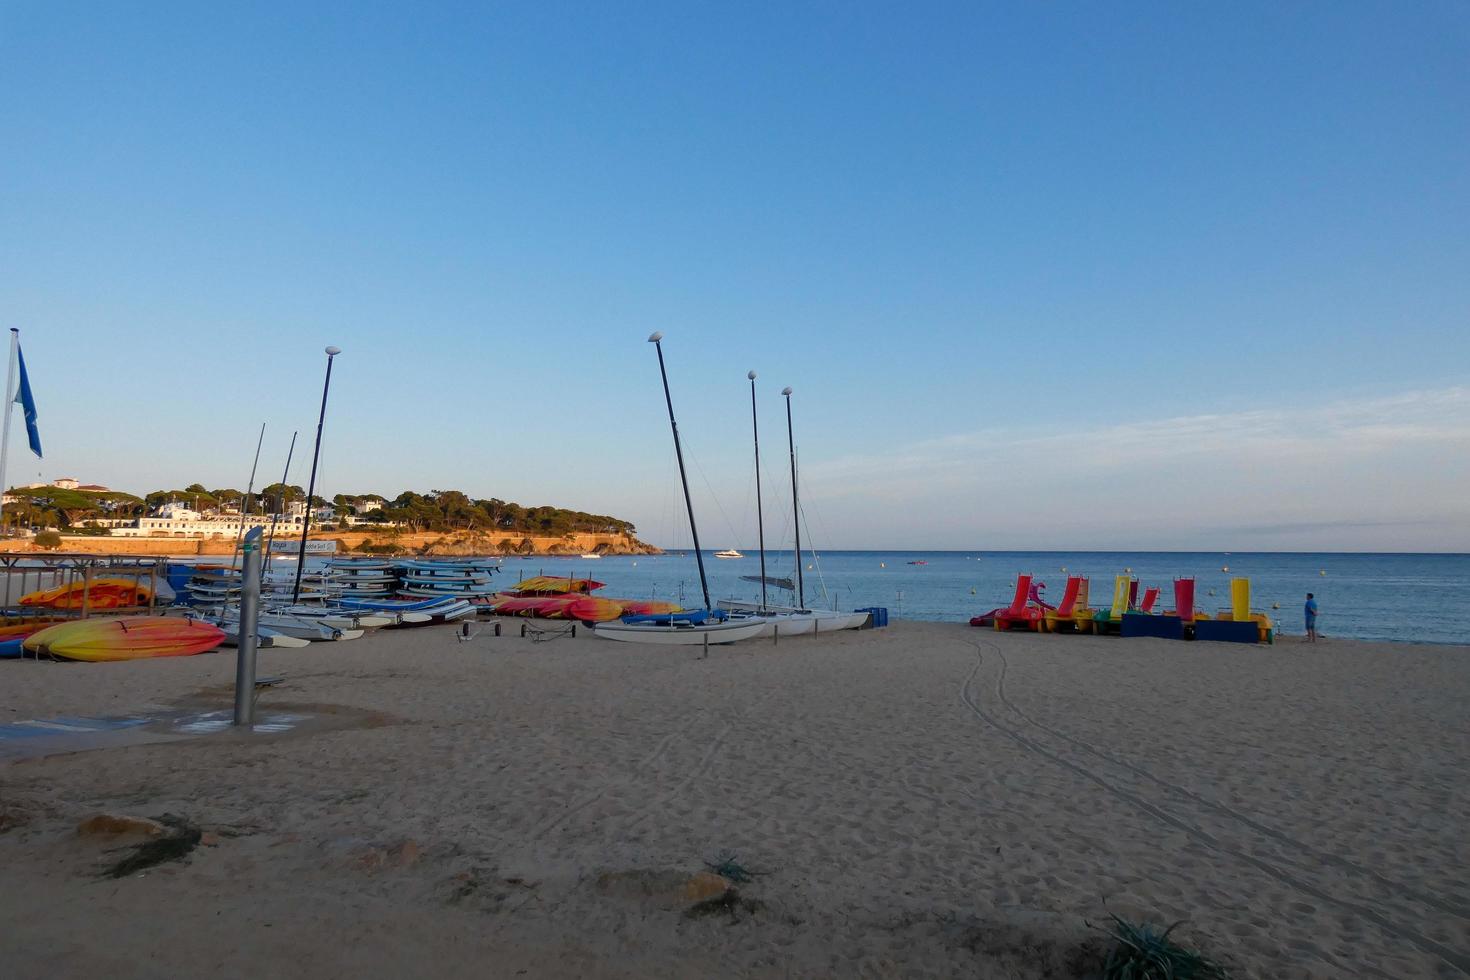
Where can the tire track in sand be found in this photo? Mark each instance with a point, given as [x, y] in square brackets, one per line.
[589, 797]
[1460, 961]
[1448, 907]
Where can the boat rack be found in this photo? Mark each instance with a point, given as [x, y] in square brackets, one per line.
[32, 572]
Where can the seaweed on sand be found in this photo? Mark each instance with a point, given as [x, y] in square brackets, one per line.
[1143, 952]
[174, 845]
[731, 870]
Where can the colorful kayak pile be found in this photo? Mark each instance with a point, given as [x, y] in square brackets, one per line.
[100, 593]
[553, 597]
[555, 585]
[12, 635]
[124, 638]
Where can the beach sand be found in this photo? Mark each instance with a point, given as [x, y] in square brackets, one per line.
[926, 800]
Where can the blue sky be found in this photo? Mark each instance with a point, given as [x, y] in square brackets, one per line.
[971, 236]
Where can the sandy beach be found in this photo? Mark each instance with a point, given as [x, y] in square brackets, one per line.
[926, 800]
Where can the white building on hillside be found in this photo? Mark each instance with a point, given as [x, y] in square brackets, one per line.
[178, 521]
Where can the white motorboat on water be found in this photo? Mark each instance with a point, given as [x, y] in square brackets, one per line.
[728, 553]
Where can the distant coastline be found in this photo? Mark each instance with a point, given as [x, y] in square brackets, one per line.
[365, 542]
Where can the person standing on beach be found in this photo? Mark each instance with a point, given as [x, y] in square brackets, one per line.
[1311, 611]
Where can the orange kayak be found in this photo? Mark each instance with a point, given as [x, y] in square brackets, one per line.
[548, 606]
[104, 593]
[139, 638]
[590, 609]
[11, 630]
[647, 607]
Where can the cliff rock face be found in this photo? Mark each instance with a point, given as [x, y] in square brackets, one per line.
[379, 542]
[478, 543]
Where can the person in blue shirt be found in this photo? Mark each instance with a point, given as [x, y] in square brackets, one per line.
[1311, 611]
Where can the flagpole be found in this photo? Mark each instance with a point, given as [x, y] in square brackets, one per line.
[9, 407]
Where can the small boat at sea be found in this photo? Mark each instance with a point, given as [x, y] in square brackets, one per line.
[728, 553]
[124, 638]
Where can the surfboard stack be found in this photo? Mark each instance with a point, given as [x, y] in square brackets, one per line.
[468, 579]
[355, 578]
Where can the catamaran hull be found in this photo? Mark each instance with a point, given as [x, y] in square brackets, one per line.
[680, 634]
[822, 620]
[788, 624]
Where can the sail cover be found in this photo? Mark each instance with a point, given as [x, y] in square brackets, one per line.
[780, 583]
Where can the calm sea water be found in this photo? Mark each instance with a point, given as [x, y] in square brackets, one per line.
[1418, 598]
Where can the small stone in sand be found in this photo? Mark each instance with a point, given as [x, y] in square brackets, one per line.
[118, 824]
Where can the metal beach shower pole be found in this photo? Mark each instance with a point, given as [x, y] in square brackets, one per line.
[760, 521]
[311, 484]
[795, 504]
[249, 630]
[654, 339]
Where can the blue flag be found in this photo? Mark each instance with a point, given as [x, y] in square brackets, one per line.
[24, 398]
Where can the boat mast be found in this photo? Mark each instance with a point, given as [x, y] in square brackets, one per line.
[311, 484]
[249, 489]
[795, 504]
[654, 339]
[280, 503]
[760, 521]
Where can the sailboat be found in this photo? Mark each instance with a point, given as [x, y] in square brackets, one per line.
[783, 622]
[798, 616]
[685, 628]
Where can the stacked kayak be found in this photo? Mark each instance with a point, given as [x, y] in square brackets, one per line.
[552, 597]
[134, 638]
[554, 585]
[12, 635]
[100, 593]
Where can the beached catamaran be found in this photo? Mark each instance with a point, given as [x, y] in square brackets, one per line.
[788, 620]
[707, 625]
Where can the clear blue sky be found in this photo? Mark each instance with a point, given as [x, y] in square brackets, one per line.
[1043, 275]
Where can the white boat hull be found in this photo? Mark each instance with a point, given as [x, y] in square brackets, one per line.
[265, 639]
[822, 620]
[303, 629]
[681, 634]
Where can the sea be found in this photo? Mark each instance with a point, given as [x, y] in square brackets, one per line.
[1413, 598]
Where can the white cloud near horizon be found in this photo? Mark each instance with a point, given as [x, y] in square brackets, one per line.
[1382, 473]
